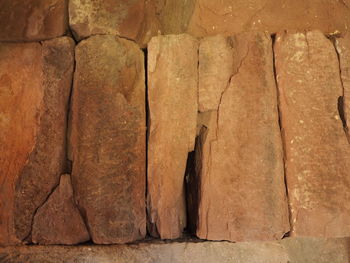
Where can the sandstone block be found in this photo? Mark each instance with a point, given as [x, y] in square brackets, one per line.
[107, 138]
[172, 96]
[28, 20]
[316, 146]
[35, 86]
[242, 190]
[58, 220]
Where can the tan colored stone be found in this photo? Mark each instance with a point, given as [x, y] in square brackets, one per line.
[108, 136]
[242, 191]
[132, 19]
[343, 50]
[34, 91]
[234, 16]
[172, 95]
[289, 250]
[28, 20]
[58, 220]
[316, 146]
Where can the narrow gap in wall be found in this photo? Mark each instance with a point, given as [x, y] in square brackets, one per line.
[190, 194]
[68, 168]
[145, 52]
[341, 99]
[273, 37]
[192, 184]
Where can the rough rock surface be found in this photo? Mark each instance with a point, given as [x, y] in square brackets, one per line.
[316, 146]
[132, 19]
[58, 220]
[172, 96]
[290, 250]
[343, 50]
[242, 191]
[35, 85]
[108, 136]
[215, 70]
[28, 20]
[233, 16]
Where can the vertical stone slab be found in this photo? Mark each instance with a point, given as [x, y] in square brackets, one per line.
[108, 136]
[242, 191]
[172, 96]
[28, 20]
[35, 85]
[316, 146]
[58, 220]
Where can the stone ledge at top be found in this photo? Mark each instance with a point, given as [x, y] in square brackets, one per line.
[234, 16]
[139, 20]
[28, 20]
[291, 250]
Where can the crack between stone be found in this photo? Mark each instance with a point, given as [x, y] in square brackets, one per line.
[341, 100]
[283, 140]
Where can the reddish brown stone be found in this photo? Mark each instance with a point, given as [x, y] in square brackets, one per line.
[215, 69]
[132, 19]
[58, 220]
[172, 95]
[233, 16]
[28, 20]
[35, 85]
[108, 138]
[242, 191]
[316, 146]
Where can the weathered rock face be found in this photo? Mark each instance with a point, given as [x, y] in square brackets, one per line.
[27, 20]
[107, 140]
[242, 191]
[215, 70]
[343, 50]
[290, 250]
[233, 16]
[35, 86]
[132, 19]
[173, 15]
[58, 221]
[316, 146]
[172, 96]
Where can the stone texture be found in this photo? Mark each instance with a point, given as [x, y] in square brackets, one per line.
[28, 20]
[58, 220]
[233, 16]
[107, 138]
[172, 96]
[35, 86]
[343, 51]
[132, 19]
[290, 250]
[173, 15]
[242, 191]
[215, 69]
[316, 146]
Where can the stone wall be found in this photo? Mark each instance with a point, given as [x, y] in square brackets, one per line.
[123, 121]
